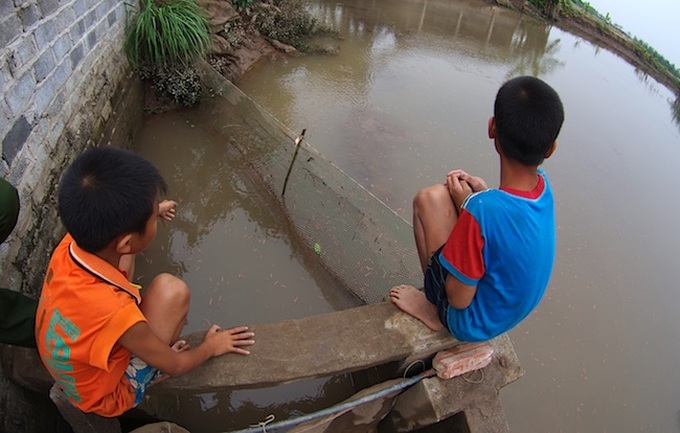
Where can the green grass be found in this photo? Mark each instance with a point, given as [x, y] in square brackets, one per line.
[167, 32]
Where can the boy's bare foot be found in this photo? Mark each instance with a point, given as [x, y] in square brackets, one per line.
[413, 301]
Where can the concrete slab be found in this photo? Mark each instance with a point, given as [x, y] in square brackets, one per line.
[334, 343]
[316, 346]
[161, 427]
[79, 421]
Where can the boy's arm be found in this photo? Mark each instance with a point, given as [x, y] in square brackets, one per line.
[463, 257]
[166, 212]
[141, 341]
[458, 294]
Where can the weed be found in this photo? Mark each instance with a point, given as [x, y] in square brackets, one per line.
[179, 82]
[283, 20]
[162, 40]
[167, 33]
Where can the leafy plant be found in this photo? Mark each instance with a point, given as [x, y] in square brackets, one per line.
[284, 20]
[165, 33]
[181, 83]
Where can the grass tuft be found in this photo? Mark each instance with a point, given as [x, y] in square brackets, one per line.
[167, 33]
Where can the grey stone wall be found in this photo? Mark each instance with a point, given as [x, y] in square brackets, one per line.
[65, 86]
[62, 74]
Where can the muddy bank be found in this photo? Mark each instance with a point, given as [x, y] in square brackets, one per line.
[232, 60]
[238, 42]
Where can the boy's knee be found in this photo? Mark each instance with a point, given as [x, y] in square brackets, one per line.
[430, 196]
[172, 289]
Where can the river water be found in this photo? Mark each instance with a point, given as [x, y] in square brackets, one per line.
[405, 99]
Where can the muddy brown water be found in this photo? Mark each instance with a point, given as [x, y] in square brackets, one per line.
[242, 265]
[406, 99]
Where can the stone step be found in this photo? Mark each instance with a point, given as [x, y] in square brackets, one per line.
[329, 344]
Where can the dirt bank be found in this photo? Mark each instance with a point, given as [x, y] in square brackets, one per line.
[240, 36]
[570, 19]
[237, 42]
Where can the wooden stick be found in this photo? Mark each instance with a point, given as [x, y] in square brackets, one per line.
[298, 140]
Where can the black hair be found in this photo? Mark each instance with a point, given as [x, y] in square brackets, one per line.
[105, 193]
[529, 116]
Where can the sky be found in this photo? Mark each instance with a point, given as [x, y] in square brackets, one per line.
[654, 21]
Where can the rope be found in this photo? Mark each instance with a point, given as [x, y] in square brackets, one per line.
[477, 381]
[261, 427]
[287, 424]
[264, 423]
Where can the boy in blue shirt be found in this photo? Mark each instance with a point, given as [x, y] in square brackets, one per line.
[487, 253]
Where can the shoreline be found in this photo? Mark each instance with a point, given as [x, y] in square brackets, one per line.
[602, 33]
[236, 47]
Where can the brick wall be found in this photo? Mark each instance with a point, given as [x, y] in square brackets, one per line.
[66, 85]
[64, 81]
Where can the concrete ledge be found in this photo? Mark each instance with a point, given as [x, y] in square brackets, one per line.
[334, 343]
[82, 422]
[316, 346]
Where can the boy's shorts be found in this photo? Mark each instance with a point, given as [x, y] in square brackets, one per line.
[435, 290]
[141, 375]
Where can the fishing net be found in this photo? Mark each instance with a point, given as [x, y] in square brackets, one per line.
[358, 239]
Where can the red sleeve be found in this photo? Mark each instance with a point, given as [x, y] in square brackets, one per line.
[463, 249]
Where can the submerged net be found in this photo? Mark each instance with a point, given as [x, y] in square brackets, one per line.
[358, 239]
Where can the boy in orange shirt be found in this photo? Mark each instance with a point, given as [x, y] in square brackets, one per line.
[101, 342]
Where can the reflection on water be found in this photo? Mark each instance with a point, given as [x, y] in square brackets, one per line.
[240, 409]
[227, 242]
[408, 97]
[243, 267]
[536, 59]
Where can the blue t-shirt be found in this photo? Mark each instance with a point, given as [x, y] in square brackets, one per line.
[504, 243]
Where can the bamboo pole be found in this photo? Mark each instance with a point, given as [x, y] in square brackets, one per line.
[298, 140]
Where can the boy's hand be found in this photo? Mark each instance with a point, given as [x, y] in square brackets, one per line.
[223, 341]
[458, 188]
[476, 183]
[166, 210]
